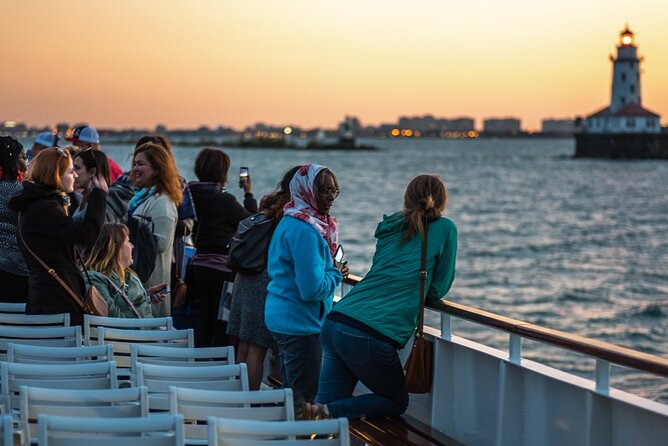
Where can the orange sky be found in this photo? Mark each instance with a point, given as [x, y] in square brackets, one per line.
[185, 63]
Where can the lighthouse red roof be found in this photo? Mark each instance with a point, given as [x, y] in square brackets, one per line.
[630, 110]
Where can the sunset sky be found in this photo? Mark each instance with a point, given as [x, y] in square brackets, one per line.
[184, 63]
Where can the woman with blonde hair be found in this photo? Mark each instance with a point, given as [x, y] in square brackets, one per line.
[47, 232]
[364, 330]
[154, 173]
[108, 266]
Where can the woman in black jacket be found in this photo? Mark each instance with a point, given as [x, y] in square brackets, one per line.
[218, 214]
[46, 227]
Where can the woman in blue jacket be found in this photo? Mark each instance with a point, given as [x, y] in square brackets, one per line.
[303, 279]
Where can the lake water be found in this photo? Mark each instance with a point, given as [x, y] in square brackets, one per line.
[575, 245]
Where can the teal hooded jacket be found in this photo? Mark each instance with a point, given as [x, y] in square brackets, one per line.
[388, 298]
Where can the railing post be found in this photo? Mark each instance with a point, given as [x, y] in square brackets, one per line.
[446, 326]
[602, 375]
[515, 348]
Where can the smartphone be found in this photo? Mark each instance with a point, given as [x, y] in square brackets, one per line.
[243, 175]
[338, 254]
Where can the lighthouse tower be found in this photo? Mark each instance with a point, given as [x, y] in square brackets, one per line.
[625, 73]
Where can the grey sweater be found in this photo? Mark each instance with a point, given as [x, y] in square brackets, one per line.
[11, 259]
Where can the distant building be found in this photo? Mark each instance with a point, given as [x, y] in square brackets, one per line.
[558, 126]
[625, 113]
[501, 126]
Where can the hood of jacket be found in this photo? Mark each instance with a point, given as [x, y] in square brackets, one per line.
[37, 192]
[391, 225]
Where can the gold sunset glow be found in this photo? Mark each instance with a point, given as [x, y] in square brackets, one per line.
[308, 62]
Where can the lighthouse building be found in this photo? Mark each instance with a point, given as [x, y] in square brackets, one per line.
[625, 113]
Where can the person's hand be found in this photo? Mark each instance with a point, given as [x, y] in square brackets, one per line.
[247, 185]
[99, 182]
[343, 267]
[158, 293]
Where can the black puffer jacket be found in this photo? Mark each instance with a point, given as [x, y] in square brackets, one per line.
[218, 215]
[52, 235]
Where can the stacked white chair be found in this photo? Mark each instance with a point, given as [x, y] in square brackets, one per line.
[12, 308]
[6, 430]
[159, 378]
[34, 320]
[197, 405]
[156, 430]
[91, 323]
[74, 376]
[36, 354]
[188, 357]
[231, 432]
[54, 337]
[112, 403]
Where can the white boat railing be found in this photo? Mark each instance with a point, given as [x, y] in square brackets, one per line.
[485, 396]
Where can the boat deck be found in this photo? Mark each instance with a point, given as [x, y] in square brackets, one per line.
[404, 430]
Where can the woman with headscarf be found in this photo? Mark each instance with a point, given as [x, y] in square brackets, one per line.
[303, 277]
[13, 269]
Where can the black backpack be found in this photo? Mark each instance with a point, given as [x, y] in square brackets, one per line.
[145, 250]
[249, 246]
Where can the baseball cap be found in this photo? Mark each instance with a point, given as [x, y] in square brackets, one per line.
[47, 139]
[84, 134]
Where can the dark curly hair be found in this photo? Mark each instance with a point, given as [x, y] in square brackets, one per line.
[10, 152]
[272, 205]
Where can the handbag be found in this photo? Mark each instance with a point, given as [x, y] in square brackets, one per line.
[420, 363]
[93, 302]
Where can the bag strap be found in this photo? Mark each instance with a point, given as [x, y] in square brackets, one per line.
[423, 279]
[125, 298]
[52, 272]
[83, 266]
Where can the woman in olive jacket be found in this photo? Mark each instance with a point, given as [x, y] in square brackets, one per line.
[46, 227]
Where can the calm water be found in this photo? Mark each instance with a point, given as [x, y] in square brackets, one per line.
[576, 245]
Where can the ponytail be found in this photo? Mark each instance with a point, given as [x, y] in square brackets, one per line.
[425, 199]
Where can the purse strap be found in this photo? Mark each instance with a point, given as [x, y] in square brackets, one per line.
[125, 298]
[423, 279]
[52, 272]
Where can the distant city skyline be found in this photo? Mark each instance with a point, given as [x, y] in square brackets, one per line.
[138, 64]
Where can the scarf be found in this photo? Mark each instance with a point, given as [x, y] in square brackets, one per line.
[302, 205]
[138, 199]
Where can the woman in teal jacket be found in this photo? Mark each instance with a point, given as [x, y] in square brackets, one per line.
[303, 279]
[362, 334]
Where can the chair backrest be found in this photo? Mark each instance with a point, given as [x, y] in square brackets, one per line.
[197, 405]
[156, 430]
[75, 376]
[91, 324]
[231, 432]
[34, 320]
[191, 357]
[11, 307]
[159, 378]
[54, 337]
[6, 429]
[121, 340]
[37, 354]
[112, 403]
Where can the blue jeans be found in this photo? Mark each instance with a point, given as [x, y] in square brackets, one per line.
[301, 358]
[349, 356]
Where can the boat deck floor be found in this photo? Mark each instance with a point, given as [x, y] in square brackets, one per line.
[399, 431]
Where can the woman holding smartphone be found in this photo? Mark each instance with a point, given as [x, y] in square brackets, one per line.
[218, 215]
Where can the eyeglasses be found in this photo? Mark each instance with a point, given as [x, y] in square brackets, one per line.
[329, 191]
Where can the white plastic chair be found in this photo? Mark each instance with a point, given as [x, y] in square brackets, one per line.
[190, 357]
[121, 340]
[156, 430]
[6, 430]
[113, 403]
[34, 320]
[36, 354]
[231, 432]
[75, 376]
[54, 337]
[91, 323]
[11, 307]
[197, 405]
[159, 378]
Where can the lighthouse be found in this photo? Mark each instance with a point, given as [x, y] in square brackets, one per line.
[624, 129]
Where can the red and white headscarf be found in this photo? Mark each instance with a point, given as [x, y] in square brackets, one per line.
[302, 205]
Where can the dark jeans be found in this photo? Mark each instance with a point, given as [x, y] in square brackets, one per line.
[351, 355]
[301, 357]
[204, 288]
